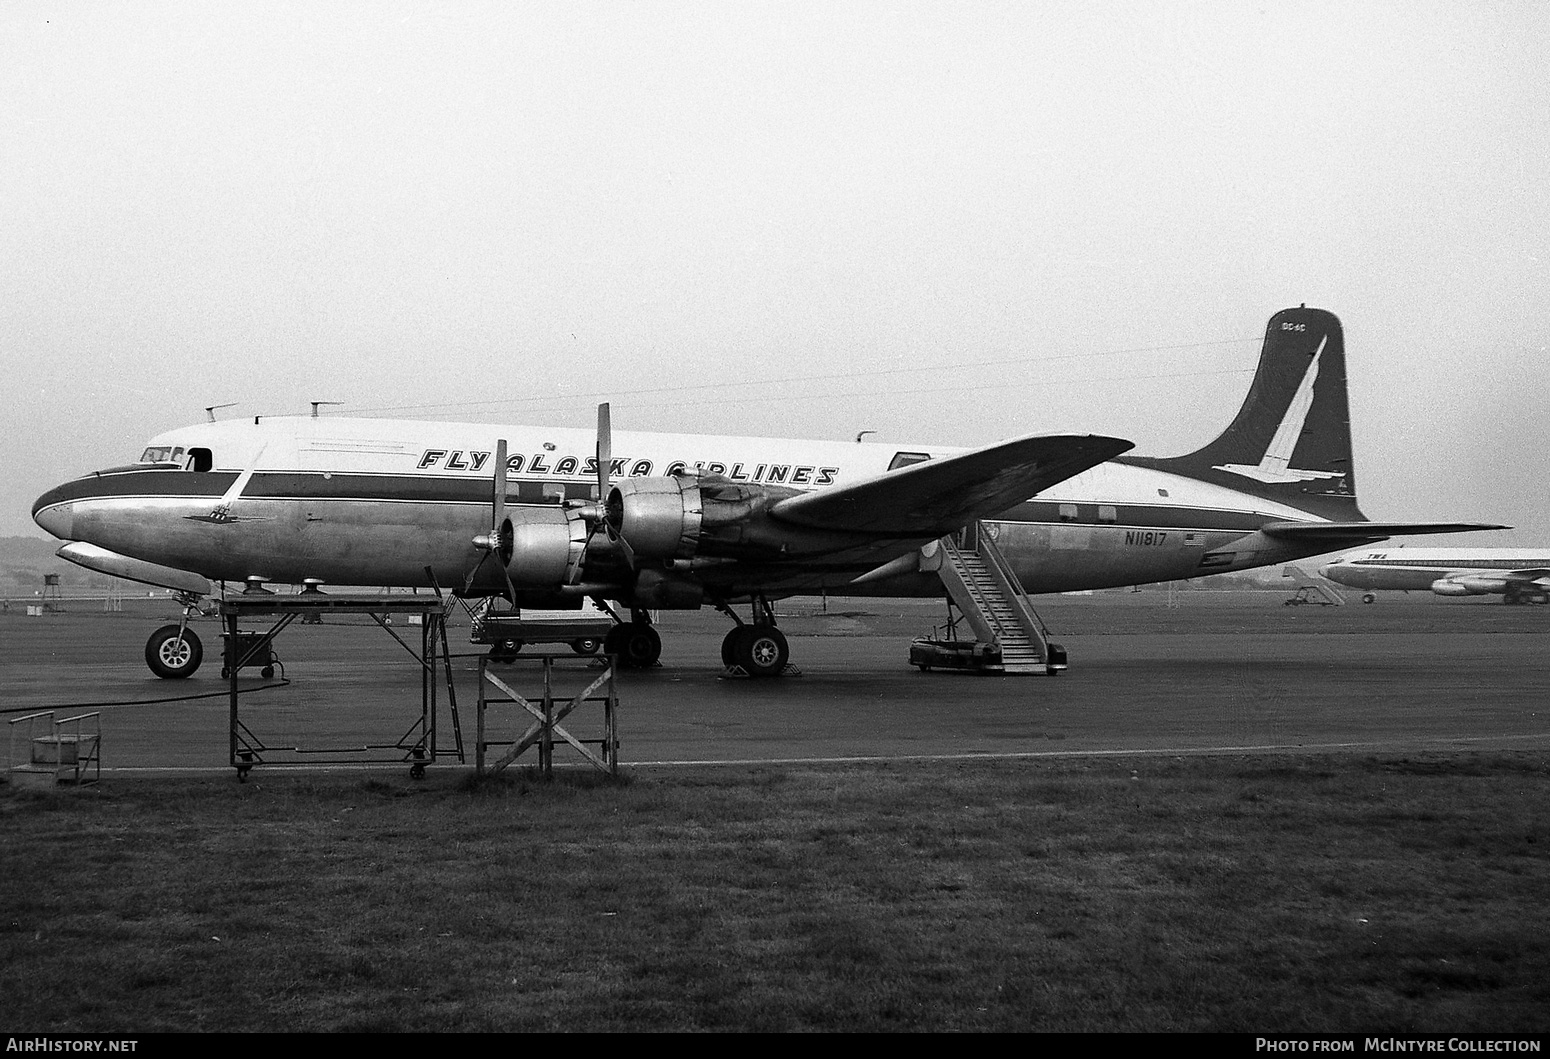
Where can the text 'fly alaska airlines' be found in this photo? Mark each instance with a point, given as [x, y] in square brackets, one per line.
[1518, 575]
[549, 517]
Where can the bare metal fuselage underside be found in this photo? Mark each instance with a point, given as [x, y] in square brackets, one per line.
[347, 530]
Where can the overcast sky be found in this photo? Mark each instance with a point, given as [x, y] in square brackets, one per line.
[945, 222]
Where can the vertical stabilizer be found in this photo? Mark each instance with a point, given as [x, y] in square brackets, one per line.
[1291, 440]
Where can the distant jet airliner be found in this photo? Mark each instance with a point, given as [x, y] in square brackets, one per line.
[1518, 575]
[547, 516]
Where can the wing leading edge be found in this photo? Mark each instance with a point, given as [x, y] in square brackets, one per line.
[939, 496]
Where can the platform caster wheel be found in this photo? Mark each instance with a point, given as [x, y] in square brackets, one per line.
[417, 772]
[267, 672]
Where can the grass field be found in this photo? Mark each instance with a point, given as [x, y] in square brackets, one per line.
[1265, 894]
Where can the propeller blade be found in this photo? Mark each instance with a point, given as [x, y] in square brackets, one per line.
[624, 546]
[605, 452]
[494, 542]
[473, 574]
[500, 484]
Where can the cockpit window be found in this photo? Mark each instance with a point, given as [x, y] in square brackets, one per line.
[195, 459]
[905, 459]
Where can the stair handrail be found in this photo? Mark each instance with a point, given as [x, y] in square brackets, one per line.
[1001, 570]
[976, 594]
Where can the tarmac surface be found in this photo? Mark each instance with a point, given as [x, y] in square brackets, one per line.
[1153, 672]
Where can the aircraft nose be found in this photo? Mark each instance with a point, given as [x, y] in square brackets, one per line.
[55, 514]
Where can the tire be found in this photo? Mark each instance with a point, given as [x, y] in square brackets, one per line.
[172, 657]
[729, 646]
[586, 647]
[505, 651]
[637, 645]
[762, 650]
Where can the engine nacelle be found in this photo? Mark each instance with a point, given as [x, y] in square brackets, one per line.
[684, 516]
[1467, 586]
[659, 518]
[545, 547]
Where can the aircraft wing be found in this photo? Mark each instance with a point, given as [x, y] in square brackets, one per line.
[1531, 575]
[1337, 532]
[936, 497]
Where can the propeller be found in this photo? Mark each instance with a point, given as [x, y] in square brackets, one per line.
[597, 513]
[498, 541]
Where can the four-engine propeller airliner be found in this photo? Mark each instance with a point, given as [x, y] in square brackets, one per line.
[547, 517]
[1518, 575]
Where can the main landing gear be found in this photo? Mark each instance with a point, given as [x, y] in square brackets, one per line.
[635, 642]
[759, 649]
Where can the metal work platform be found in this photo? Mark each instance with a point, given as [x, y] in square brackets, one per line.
[417, 747]
[62, 751]
[547, 710]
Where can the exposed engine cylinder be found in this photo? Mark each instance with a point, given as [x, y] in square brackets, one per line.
[658, 517]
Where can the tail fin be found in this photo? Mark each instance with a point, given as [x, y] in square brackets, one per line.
[1291, 440]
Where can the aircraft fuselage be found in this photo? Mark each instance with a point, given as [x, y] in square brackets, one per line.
[377, 502]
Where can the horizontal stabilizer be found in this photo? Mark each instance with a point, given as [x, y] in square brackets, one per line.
[106, 562]
[1342, 532]
[939, 496]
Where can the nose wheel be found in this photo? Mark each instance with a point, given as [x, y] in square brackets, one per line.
[173, 652]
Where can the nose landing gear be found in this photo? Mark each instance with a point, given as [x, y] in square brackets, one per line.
[173, 652]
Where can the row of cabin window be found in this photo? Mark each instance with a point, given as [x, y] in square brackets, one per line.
[1108, 514]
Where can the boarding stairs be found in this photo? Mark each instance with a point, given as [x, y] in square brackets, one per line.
[1311, 589]
[982, 586]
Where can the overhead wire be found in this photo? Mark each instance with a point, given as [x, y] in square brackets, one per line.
[962, 369]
